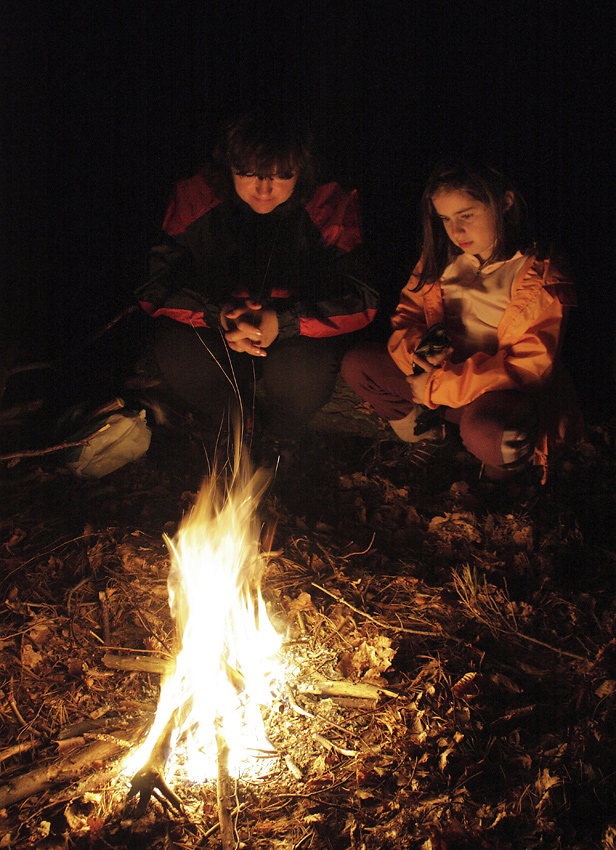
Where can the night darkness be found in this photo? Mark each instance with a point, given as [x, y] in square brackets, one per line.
[109, 103]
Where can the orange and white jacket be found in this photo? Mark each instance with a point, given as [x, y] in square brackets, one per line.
[529, 339]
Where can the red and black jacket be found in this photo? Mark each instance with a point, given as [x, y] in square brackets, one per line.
[303, 261]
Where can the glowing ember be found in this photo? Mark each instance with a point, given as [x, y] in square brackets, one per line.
[228, 664]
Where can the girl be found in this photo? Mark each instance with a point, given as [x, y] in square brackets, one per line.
[258, 274]
[503, 307]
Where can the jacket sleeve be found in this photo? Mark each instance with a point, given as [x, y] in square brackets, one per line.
[529, 340]
[335, 297]
[409, 323]
[171, 287]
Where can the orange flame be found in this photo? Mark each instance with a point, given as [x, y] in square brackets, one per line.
[228, 665]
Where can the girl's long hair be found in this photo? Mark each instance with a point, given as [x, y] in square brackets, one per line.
[260, 143]
[486, 185]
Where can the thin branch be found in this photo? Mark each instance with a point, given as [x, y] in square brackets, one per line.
[16, 712]
[329, 745]
[16, 749]
[365, 551]
[125, 312]
[51, 449]
[378, 623]
[467, 587]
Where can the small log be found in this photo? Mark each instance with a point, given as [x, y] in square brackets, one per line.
[351, 690]
[31, 367]
[223, 792]
[138, 664]
[13, 413]
[329, 745]
[63, 771]
[149, 782]
[293, 767]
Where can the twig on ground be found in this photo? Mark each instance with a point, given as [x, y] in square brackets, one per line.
[67, 445]
[16, 749]
[102, 596]
[493, 617]
[297, 708]
[151, 632]
[363, 552]
[331, 746]
[378, 623]
[16, 712]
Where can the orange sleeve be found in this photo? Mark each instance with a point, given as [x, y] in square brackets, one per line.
[529, 335]
[409, 324]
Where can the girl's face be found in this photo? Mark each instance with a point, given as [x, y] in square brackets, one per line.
[468, 223]
[264, 192]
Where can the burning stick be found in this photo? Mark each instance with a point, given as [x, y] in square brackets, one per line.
[223, 792]
[149, 779]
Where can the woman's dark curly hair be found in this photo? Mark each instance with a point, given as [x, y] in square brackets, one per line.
[261, 143]
[486, 185]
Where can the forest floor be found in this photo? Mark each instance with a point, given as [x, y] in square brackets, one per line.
[480, 623]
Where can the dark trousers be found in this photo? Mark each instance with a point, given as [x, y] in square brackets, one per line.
[499, 427]
[298, 376]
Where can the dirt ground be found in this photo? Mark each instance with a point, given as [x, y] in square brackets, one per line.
[482, 620]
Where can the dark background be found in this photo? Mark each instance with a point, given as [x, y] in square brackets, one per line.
[107, 104]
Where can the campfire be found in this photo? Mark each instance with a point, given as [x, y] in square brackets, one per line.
[208, 723]
[434, 687]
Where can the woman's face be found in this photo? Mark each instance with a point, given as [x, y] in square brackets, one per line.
[264, 192]
[468, 222]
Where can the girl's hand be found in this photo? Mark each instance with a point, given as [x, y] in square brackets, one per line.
[418, 383]
[248, 328]
[429, 364]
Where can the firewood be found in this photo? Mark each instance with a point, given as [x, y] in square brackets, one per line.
[149, 780]
[138, 664]
[353, 690]
[121, 315]
[60, 772]
[223, 790]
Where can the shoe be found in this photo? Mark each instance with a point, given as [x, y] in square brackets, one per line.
[419, 426]
[422, 452]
